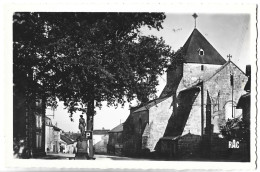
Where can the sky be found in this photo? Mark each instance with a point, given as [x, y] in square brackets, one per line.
[228, 33]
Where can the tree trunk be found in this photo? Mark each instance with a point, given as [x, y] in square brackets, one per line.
[90, 122]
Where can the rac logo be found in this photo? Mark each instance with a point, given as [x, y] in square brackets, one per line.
[233, 144]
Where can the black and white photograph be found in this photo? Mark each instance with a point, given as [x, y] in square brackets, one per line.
[133, 86]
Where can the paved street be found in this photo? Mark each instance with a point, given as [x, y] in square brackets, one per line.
[63, 156]
[112, 157]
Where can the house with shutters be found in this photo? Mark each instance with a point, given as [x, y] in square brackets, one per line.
[200, 95]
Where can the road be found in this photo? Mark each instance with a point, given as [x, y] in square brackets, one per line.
[63, 156]
[112, 157]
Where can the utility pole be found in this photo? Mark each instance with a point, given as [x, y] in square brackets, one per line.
[232, 92]
[202, 106]
[232, 86]
[90, 123]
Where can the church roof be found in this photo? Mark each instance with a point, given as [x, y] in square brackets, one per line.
[191, 48]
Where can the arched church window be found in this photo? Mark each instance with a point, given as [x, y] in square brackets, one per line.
[229, 114]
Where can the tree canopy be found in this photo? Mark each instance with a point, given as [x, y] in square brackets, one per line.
[83, 58]
[237, 128]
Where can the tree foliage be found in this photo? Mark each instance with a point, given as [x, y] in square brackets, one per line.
[236, 128]
[86, 57]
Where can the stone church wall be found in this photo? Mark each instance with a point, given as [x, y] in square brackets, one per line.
[133, 138]
[193, 124]
[143, 117]
[189, 146]
[220, 91]
[159, 117]
[192, 72]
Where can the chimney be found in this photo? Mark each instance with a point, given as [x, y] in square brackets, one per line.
[248, 74]
[248, 70]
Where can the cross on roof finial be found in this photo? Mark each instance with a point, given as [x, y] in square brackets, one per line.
[195, 16]
[229, 57]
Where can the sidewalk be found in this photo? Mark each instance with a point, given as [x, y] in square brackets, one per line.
[58, 156]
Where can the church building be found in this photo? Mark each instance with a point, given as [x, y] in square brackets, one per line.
[200, 95]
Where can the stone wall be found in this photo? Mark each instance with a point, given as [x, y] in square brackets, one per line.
[132, 132]
[220, 91]
[192, 72]
[159, 117]
[143, 117]
[193, 124]
[189, 146]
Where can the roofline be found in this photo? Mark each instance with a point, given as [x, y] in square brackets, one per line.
[238, 67]
[206, 63]
[205, 40]
[102, 134]
[115, 131]
[141, 110]
[115, 128]
[147, 109]
[243, 98]
[192, 87]
[57, 128]
[69, 142]
[221, 68]
[218, 70]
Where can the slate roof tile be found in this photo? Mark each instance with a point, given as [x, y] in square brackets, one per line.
[197, 41]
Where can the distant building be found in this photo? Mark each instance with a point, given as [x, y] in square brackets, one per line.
[115, 141]
[49, 135]
[56, 139]
[67, 144]
[73, 136]
[100, 140]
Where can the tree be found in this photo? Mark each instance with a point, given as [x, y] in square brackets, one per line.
[87, 58]
[236, 128]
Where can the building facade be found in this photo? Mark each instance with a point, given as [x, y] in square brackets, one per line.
[115, 142]
[56, 139]
[49, 136]
[200, 95]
